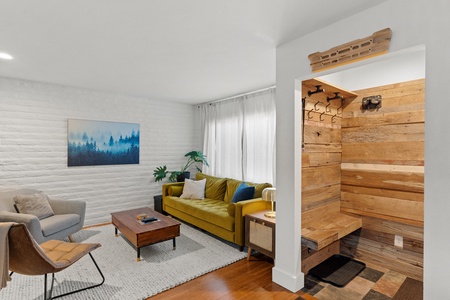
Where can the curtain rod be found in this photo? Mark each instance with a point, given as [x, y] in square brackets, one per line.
[240, 95]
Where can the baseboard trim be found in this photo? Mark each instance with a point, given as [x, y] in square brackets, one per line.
[294, 283]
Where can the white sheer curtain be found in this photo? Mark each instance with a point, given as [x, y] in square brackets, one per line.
[239, 137]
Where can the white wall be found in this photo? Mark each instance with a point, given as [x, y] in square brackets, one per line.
[413, 22]
[33, 144]
[406, 66]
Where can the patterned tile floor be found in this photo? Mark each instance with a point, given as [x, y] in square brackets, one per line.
[373, 283]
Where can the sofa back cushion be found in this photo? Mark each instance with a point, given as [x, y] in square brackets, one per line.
[259, 187]
[233, 184]
[215, 186]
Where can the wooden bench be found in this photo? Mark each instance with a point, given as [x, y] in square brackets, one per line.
[324, 232]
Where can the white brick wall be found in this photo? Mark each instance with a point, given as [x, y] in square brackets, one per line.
[33, 144]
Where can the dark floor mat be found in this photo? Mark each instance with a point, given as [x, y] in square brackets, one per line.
[411, 289]
[337, 270]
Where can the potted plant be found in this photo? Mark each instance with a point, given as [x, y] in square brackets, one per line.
[193, 157]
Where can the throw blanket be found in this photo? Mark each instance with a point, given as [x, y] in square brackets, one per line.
[4, 253]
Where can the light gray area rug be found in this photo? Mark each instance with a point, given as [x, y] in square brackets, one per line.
[160, 268]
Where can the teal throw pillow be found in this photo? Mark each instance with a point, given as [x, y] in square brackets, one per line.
[243, 192]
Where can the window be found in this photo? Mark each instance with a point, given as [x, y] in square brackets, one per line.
[239, 137]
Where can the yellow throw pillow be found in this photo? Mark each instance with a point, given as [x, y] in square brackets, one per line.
[175, 191]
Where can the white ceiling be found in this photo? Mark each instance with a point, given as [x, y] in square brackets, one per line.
[190, 51]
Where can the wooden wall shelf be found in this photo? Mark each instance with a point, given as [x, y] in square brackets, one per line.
[376, 44]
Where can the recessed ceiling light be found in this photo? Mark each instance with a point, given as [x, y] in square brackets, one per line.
[5, 55]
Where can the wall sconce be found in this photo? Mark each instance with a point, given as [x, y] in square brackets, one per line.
[269, 194]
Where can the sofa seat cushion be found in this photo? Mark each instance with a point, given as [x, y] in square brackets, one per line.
[209, 210]
[57, 223]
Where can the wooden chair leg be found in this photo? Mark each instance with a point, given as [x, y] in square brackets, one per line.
[71, 239]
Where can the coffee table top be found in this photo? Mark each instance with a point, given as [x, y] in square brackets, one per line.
[128, 218]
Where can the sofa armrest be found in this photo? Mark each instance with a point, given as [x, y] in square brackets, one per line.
[165, 187]
[30, 221]
[243, 208]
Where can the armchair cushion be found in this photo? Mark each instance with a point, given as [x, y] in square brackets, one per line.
[57, 223]
[68, 215]
[35, 204]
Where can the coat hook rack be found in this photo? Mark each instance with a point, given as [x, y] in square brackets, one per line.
[335, 97]
[315, 106]
[320, 117]
[318, 90]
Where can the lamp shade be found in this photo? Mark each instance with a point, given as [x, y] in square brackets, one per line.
[269, 194]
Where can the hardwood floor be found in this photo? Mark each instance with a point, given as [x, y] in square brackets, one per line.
[241, 280]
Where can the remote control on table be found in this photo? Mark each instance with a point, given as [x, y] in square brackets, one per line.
[148, 220]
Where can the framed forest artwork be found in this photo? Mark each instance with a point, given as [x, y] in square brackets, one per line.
[93, 143]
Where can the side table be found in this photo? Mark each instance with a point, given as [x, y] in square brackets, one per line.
[158, 204]
[260, 234]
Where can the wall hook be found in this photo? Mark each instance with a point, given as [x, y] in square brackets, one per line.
[320, 117]
[335, 97]
[327, 109]
[309, 117]
[333, 119]
[340, 107]
[315, 108]
[318, 90]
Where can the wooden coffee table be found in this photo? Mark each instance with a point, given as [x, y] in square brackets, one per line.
[143, 235]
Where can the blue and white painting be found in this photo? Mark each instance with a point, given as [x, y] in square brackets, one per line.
[102, 143]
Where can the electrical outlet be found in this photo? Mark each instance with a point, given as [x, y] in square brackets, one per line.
[398, 241]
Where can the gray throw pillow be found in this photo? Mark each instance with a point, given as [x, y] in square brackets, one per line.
[36, 204]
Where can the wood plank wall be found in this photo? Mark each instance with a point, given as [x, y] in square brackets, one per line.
[321, 162]
[382, 176]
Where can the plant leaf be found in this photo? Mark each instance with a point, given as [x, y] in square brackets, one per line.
[160, 173]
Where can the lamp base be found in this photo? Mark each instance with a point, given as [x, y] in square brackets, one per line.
[270, 214]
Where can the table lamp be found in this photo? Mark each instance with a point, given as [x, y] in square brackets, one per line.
[269, 194]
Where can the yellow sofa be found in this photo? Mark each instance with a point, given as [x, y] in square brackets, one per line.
[216, 213]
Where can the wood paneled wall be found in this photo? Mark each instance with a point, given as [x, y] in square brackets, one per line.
[321, 162]
[321, 155]
[382, 176]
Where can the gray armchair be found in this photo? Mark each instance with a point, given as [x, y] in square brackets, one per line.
[68, 216]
